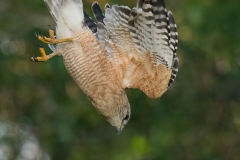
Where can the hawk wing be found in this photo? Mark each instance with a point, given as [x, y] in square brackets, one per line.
[140, 43]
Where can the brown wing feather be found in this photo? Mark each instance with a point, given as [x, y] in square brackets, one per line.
[140, 46]
[149, 78]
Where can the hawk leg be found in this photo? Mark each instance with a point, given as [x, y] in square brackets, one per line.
[52, 40]
[49, 40]
[44, 57]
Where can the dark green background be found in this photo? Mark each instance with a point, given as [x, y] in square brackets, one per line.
[198, 118]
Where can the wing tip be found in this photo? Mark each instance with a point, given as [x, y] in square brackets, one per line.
[97, 12]
[171, 19]
[94, 3]
[174, 71]
[107, 6]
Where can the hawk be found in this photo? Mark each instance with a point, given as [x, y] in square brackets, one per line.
[125, 48]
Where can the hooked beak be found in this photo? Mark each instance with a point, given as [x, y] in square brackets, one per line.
[120, 129]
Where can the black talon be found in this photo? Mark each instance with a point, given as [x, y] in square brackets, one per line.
[33, 59]
[36, 34]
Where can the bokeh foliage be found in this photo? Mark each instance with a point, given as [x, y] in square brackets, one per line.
[198, 118]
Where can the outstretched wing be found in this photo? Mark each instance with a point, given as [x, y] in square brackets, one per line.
[141, 44]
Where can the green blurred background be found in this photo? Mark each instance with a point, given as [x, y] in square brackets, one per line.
[45, 116]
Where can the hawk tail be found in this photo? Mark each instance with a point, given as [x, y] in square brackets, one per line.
[68, 14]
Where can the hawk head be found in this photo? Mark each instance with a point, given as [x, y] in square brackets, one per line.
[117, 110]
[121, 118]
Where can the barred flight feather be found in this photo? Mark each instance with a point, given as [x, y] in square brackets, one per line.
[97, 12]
[88, 21]
[149, 26]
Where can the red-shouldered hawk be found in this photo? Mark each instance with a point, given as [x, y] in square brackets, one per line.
[125, 48]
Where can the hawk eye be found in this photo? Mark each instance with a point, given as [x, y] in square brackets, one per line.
[126, 117]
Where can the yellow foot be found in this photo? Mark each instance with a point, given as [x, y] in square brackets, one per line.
[51, 39]
[44, 57]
